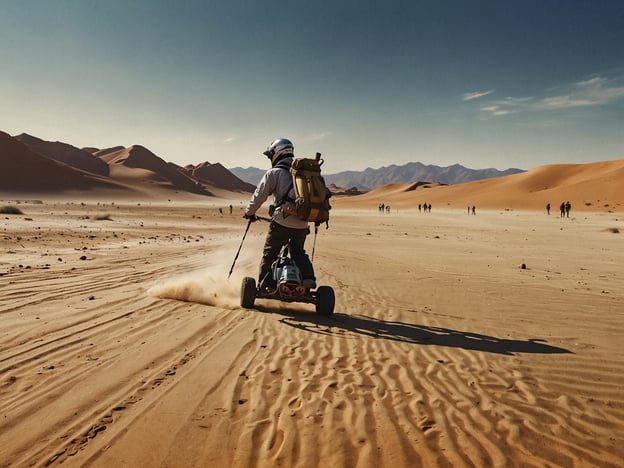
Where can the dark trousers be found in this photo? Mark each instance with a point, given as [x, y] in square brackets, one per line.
[278, 237]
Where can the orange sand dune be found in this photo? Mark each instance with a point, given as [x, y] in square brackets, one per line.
[147, 165]
[133, 174]
[67, 154]
[102, 152]
[24, 171]
[216, 174]
[594, 186]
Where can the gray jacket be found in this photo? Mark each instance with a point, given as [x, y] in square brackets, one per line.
[277, 181]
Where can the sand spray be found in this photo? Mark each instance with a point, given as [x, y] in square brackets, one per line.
[210, 285]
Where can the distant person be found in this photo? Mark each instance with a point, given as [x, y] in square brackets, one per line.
[562, 209]
[231, 209]
[468, 210]
[419, 207]
[382, 207]
[387, 208]
[429, 207]
[548, 208]
[567, 208]
[474, 210]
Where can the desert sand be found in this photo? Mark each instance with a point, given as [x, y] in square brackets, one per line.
[123, 342]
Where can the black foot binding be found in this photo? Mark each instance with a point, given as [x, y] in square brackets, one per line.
[267, 286]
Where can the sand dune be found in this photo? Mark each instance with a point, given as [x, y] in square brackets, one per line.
[122, 342]
[24, 171]
[103, 152]
[216, 174]
[132, 173]
[139, 157]
[594, 186]
[67, 154]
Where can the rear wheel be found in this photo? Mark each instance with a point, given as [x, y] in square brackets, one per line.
[248, 292]
[325, 300]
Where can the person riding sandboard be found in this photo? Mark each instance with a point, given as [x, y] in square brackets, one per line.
[285, 227]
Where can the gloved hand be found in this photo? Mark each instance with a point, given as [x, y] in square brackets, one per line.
[252, 218]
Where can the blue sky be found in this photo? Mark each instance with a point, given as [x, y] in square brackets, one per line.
[480, 83]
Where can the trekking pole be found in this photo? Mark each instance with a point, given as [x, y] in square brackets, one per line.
[314, 243]
[239, 248]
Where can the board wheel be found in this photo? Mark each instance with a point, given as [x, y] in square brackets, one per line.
[325, 300]
[248, 293]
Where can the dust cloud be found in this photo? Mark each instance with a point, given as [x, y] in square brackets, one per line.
[210, 285]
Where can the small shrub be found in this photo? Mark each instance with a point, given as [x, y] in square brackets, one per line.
[10, 210]
[105, 217]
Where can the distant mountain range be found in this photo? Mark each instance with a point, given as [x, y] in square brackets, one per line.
[31, 165]
[370, 179]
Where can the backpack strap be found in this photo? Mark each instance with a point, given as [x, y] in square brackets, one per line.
[285, 166]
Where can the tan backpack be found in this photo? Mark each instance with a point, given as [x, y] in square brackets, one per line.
[311, 193]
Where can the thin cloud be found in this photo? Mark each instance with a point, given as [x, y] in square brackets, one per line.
[596, 91]
[495, 110]
[477, 95]
[593, 92]
[564, 102]
[518, 101]
[316, 137]
[509, 105]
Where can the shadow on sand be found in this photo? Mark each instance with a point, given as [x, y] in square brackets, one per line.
[409, 333]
